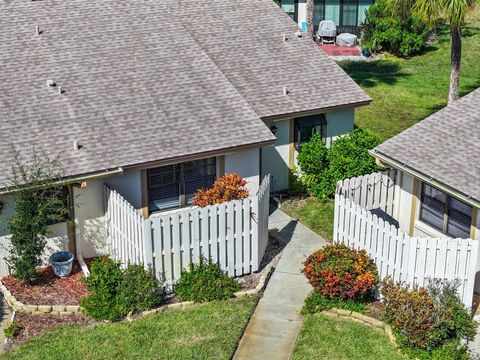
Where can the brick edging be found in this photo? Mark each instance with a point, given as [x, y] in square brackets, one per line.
[36, 309]
[355, 316]
[75, 309]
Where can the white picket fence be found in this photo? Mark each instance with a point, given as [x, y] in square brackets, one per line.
[412, 260]
[233, 234]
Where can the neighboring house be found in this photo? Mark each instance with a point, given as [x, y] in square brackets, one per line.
[348, 15]
[431, 194]
[159, 98]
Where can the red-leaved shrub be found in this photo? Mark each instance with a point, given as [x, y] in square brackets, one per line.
[336, 271]
[228, 187]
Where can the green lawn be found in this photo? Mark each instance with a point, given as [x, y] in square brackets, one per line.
[406, 91]
[318, 216]
[209, 331]
[327, 338]
[403, 93]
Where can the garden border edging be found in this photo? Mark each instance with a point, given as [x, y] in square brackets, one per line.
[18, 306]
[368, 320]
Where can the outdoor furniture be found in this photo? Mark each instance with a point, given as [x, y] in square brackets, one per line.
[346, 39]
[327, 31]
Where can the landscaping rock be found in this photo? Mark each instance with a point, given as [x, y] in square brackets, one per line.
[344, 313]
[72, 308]
[58, 308]
[44, 308]
[30, 308]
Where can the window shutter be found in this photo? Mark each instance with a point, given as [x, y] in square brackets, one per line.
[163, 187]
[198, 174]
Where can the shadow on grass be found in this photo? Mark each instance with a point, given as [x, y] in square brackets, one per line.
[372, 73]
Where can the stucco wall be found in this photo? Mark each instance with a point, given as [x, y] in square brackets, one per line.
[275, 158]
[247, 165]
[56, 241]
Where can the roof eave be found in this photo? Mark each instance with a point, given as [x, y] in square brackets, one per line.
[385, 159]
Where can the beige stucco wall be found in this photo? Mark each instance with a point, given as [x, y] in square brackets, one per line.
[247, 165]
[56, 241]
[276, 159]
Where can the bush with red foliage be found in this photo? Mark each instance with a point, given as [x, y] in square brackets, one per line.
[228, 187]
[336, 271]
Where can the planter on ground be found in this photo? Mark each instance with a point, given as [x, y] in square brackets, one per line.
[61, 263]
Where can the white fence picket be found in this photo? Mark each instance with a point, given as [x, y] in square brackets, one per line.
[413, 260]
[233, 234]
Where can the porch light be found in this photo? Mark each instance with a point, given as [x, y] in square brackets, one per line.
[1, 206]
[273, 129]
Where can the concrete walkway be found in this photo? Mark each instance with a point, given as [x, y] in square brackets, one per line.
[273, 329]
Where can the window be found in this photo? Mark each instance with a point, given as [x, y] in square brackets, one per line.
[306, 126]
[445, 213]
[342, 12]
[175, 185]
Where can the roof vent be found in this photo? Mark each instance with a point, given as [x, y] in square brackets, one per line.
[285, 90]
[76, 145]
[51, 83]
[60, 91]
[298, 34]
[284, 37]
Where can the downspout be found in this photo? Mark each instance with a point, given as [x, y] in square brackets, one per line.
[76, 234]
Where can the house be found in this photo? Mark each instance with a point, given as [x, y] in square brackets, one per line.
[348, 15]
[431, 195]
[157, 99]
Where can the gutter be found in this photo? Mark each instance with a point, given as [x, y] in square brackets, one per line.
[76, 179]
[425, 178]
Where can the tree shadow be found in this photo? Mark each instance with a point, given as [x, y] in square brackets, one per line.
[369, 74]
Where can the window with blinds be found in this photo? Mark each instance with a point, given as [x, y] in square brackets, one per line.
[175, 185]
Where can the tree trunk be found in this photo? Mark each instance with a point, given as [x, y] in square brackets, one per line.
[309, 14]
[455, 58]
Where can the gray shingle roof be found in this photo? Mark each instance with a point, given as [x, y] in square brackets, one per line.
[153, 79]
[444, 146]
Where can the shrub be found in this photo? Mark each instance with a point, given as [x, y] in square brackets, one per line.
[205, 282]
[322, 168]
[316, 302]
[228, 187]
[115, 293]
[428, 319]
[104, 282]
[38, 203]
[385, 30]
[336, 271]
[140, 289]
[12, 330]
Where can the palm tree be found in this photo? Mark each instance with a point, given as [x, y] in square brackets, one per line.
[310, 25]
[454, 13]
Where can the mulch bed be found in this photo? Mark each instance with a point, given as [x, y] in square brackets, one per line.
[34, 325]
[49, 289]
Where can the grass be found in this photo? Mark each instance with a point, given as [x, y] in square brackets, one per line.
[209, 331]
[406, 91]
[317, 215]
[403, 93]
[336, 339]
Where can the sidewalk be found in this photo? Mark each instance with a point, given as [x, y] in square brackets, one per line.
[274, 327]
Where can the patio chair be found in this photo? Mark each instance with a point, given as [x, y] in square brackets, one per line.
[327, 31]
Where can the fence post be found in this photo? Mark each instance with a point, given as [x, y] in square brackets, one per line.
[147, 243]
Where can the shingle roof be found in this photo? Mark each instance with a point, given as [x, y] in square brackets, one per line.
[153, 79]
[444, 146]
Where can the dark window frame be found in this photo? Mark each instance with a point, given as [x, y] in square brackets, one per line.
[447, 209]
[341, 4]
[312, 122]
[180, 181]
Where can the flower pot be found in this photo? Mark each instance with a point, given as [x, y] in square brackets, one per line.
[366, 53]
[61, 263]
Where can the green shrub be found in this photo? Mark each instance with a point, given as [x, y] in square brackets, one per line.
[205, 282]
[336, 271]
[322, 168]
[316, 302]
[115, 293]
[12, 330]
[140, 289]
[428, 322]
[385, 30]
[39, 202]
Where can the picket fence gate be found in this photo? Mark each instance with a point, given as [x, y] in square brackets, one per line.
[233, 234]
[413, 260]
